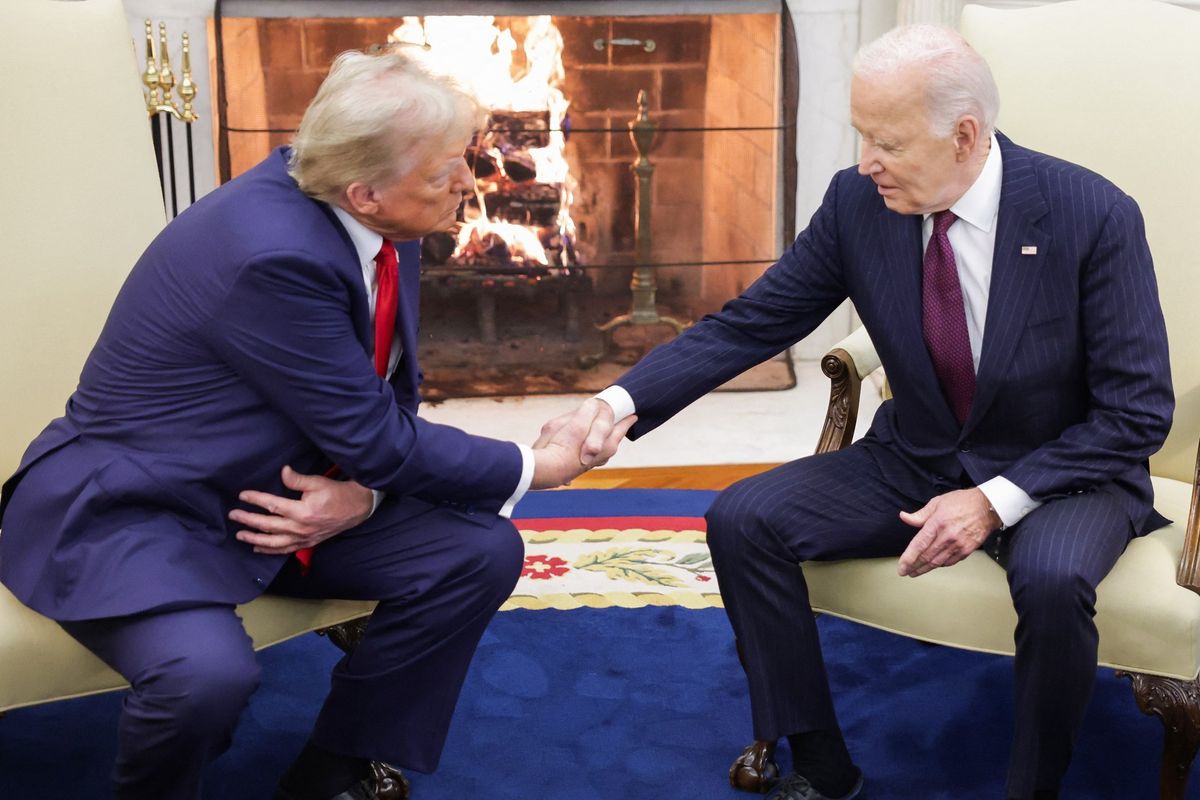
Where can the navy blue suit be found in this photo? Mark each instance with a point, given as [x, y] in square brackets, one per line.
[1073, 396]
[241, 342]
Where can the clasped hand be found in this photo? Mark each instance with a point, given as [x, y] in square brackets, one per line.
[573, 443]
[325, 508]
[951, 527]
[569, 445]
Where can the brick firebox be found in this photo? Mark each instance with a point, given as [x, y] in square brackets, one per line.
[714, 88]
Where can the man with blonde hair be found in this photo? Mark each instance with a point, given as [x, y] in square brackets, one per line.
[1012, 300]
[265, 338]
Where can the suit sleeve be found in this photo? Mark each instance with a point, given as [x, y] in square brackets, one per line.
[1128, 376]
[783, 306]
[285, 329]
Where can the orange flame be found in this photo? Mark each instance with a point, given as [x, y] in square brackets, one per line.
[475, 51]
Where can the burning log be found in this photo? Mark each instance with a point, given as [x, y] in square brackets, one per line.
[436, 248]
[526, 203]
[520, 130]
[503, 247]
[481, 162]
[519, 166]
[486, 249]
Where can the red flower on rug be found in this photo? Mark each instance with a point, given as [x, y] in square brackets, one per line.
[541, 568]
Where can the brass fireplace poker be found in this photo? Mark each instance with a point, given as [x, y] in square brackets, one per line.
[160, 82]
[644, 285]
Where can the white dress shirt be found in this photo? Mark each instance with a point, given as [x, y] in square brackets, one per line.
[973, 240]
[367, 244]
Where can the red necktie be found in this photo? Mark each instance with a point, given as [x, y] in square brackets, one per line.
[386, 301]
[944, 320]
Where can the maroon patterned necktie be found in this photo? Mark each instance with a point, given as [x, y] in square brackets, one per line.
[944, 320]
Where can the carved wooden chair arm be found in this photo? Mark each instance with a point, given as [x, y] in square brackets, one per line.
[1188, 575]
[850, 360]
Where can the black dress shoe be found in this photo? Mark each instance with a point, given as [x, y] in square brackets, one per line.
[384, 783]
[797, 787]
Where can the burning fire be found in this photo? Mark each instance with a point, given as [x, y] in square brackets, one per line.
[524, 189]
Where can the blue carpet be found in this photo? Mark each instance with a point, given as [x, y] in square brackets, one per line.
[617, 704]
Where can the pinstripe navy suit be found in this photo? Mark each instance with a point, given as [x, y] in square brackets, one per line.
[1073, 395]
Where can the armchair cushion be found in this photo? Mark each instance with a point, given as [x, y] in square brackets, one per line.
[40, 663]
[1147, 622]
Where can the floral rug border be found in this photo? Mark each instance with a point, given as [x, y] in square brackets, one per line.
[621, 567]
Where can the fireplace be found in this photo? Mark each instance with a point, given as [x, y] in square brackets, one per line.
[542, 260]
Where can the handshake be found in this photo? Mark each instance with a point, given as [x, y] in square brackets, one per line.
[575, 442]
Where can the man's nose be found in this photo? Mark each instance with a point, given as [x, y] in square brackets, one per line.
[464, 180]
[868, 164]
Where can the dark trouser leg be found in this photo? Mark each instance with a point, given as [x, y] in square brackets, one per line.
[832, 506]
[1056, 558]
[440, 575]
[191, 673]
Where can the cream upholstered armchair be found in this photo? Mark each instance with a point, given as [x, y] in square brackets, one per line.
[1111, 85]
[81, 201]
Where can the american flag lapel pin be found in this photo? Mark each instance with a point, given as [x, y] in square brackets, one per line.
[1029, 249]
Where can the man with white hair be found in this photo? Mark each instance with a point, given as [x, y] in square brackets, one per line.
[266, 338]
[1012, 300]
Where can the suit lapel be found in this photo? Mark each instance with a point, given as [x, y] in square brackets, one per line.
[1016, 273]
[900, 235]
[360, 312]
[407, 312]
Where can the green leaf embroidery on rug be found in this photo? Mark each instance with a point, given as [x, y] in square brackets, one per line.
[636, 565]
[695, 562]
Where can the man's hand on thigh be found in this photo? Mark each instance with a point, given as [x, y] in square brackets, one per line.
[950, 527]
[326, 508]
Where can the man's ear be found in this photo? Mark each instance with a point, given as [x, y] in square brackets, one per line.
[966, 137]
[361, 199]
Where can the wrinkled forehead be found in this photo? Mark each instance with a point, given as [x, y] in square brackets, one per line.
[893, 100]
[430, 153]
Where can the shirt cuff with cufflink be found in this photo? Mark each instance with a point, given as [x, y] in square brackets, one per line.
[1008, 500]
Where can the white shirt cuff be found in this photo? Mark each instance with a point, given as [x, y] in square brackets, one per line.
[522, 485]
[376, 498]
[1009, 500]
[619, 399]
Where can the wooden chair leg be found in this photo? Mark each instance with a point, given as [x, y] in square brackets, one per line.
[1177, 704]
[755, 769]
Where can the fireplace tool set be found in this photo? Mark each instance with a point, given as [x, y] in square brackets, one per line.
[159, 80]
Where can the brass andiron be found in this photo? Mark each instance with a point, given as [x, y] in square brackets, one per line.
[644, 285]
[160, 82]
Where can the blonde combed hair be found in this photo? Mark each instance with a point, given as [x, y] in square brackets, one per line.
[959, 81]
[371, 120]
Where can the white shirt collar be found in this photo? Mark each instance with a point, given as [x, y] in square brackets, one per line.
[981, 202]
[366, 241]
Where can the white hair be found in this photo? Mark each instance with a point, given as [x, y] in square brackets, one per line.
[372, 118]
[959, 81]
